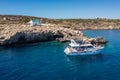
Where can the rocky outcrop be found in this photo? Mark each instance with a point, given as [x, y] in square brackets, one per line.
[100, 39]
[17, 34]
[14, 29]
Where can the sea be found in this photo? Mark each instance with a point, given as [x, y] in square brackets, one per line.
[47, 61]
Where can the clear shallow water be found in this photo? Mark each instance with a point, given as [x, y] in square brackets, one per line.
[47, 61]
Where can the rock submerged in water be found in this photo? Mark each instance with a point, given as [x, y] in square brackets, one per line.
[100, 39]
[25, 34]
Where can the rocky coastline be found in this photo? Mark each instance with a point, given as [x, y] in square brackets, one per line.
[15, 31]
[18, 34]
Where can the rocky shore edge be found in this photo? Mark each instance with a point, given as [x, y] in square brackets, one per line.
[20, 34]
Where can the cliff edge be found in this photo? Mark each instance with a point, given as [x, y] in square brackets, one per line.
[14, 30]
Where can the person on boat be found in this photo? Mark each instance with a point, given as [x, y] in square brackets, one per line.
[93, 42]
[86, 41]
[80, 41]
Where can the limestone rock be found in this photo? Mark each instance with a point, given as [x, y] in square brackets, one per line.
[17, 34]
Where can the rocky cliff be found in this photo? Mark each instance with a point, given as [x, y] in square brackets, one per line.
[14, 34]
[19, 32]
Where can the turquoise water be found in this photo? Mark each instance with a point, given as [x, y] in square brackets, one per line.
[47, 61]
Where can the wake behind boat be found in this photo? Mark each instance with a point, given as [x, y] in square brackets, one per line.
[78, 47]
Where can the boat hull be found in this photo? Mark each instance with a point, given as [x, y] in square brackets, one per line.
[68, 52]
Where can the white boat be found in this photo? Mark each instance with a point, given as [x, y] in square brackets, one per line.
[76, 47]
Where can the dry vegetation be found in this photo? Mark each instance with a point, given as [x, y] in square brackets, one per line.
[79, 24]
